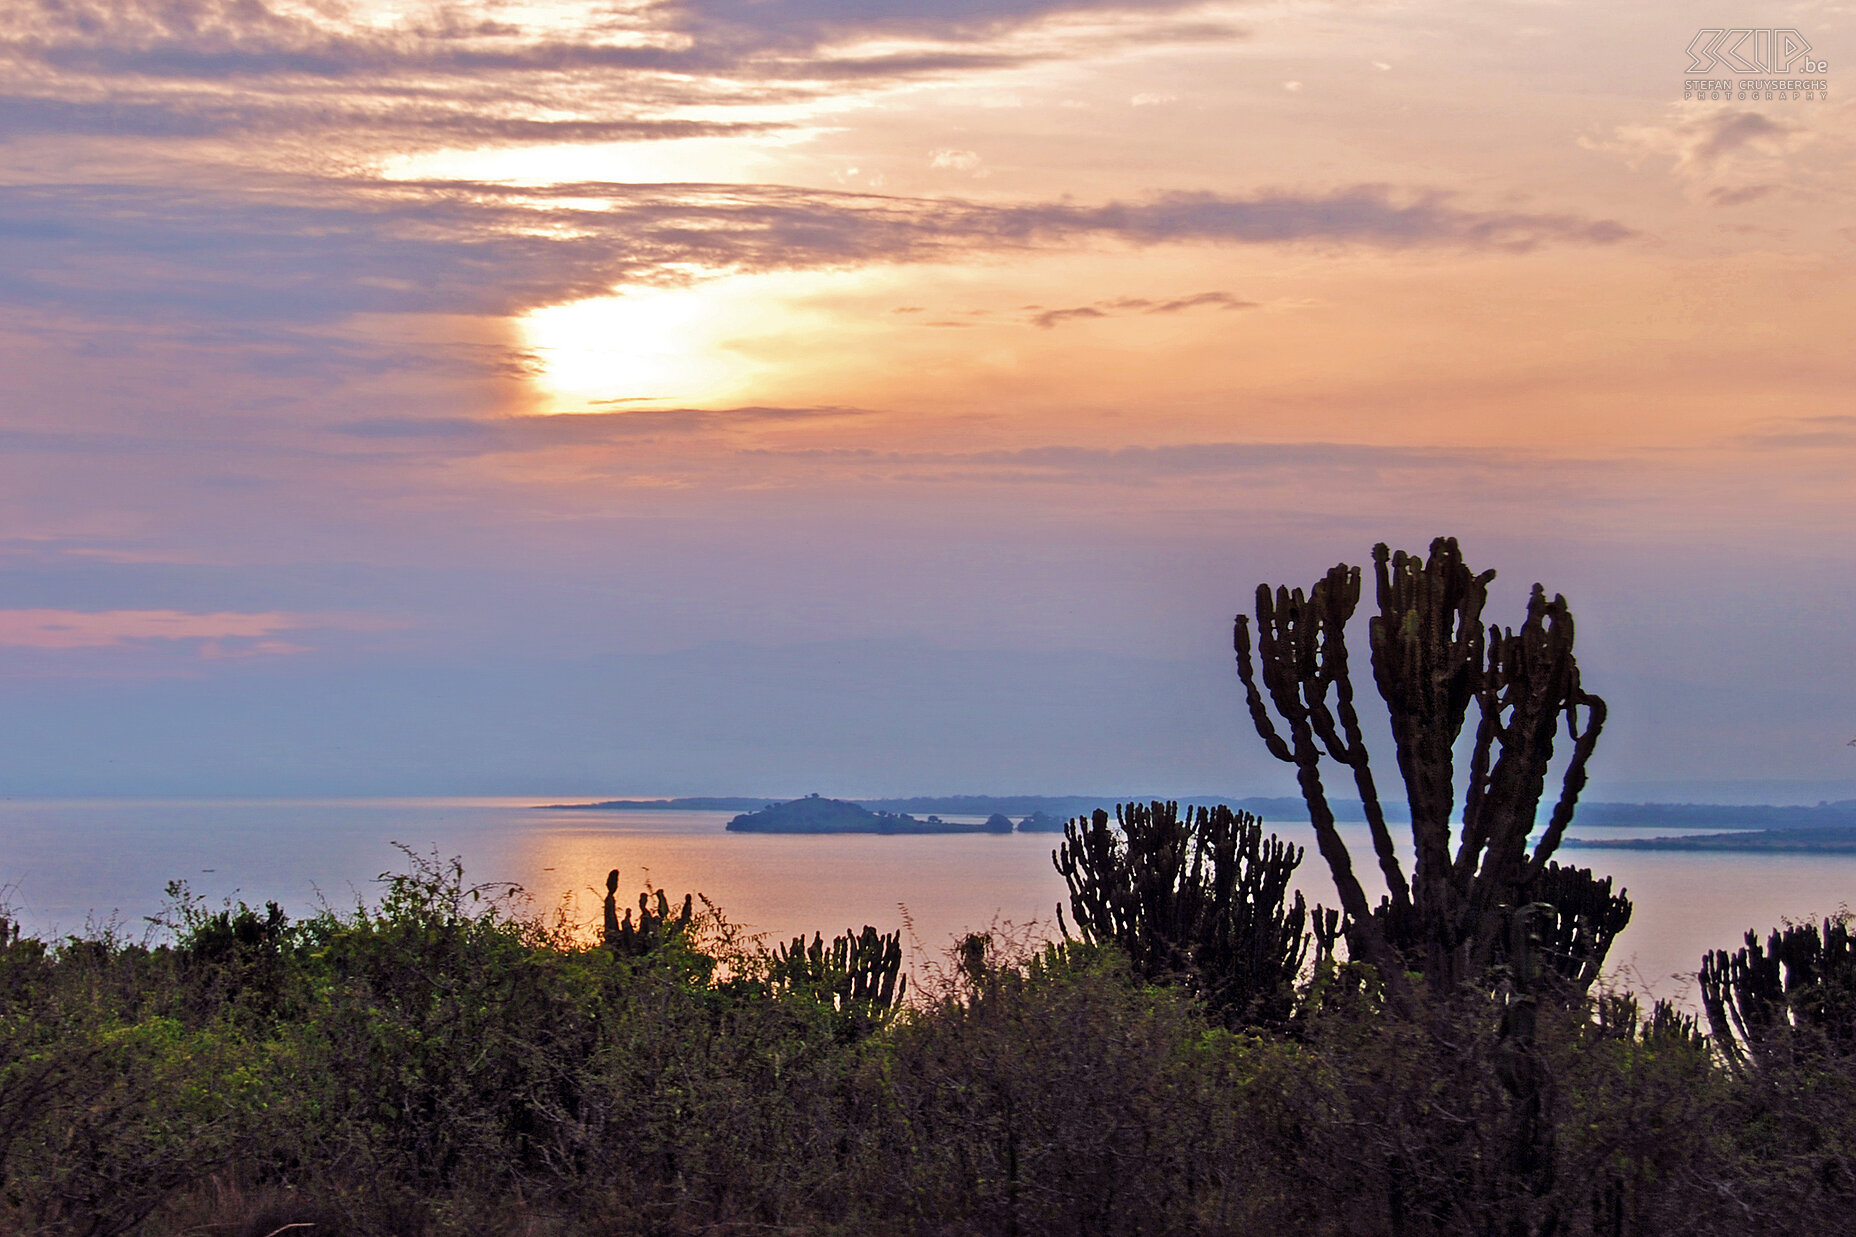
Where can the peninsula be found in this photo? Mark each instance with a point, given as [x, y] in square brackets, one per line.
[1828, 841]
[1828, 828]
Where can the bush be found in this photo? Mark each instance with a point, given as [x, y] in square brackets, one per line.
[442, 1063]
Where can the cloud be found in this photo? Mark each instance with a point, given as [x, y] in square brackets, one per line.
[1121, 306]
[1366, 214]
[224, 633]
[1728, 156]
[811, 22]
[254, 41]
[344, 84]
[1362, 465]
[143, 644]
[958, 160]
[1051, 317]
[1738, 197]
[1713, 137]
[1795, 433]
[1274, 464]
[509, 434]
[157, 117]
[306, 252]
[1144, 465]
[219, 39]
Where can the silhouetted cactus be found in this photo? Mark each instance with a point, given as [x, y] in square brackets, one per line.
[1578, 920]
[1432, 659]
[18, 957]
[1796, 994]
[655, 927]
[860, 974]
[1619, 1015]
[1201, 898]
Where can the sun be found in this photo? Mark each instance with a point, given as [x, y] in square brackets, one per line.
[743, 337]
[643, 347]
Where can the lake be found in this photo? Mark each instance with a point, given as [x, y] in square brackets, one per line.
[68, 863]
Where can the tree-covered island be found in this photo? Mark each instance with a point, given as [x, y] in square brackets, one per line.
[814, 814]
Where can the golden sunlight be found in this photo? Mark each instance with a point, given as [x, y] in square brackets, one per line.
[720, 340]
[646, 347]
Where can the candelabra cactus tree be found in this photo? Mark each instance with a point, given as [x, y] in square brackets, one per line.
[1201, 898]
[1432, 659]
[1796, 993]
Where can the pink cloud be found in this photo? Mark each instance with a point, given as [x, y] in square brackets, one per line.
[89, 629]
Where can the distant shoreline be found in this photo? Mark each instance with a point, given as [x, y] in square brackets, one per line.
[1764, 817]
[1827, 828]
[1830, 840]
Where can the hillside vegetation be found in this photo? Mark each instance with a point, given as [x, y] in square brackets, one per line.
[439, 1063]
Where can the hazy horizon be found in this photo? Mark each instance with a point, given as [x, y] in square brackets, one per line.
[1750, 793]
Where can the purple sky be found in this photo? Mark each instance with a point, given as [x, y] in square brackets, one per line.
[897, 397]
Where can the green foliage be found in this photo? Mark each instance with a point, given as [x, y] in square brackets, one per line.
[1057, 1095]
[108, 1103]
[442, 1063]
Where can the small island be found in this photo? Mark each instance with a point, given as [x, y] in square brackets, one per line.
[813, 814]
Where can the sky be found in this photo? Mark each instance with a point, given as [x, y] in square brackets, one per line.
[899, 397]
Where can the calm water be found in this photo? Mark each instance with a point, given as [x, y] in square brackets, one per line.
[66, 863]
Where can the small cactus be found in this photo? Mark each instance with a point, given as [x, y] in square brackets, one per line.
[859, 973]
[656, 925]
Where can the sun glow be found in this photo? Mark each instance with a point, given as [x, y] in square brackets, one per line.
[725, 339]
[646, 347]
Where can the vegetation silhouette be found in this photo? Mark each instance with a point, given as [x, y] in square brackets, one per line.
[1201, 898]
[1795, 995]
[444, 1062]
[859, 975]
